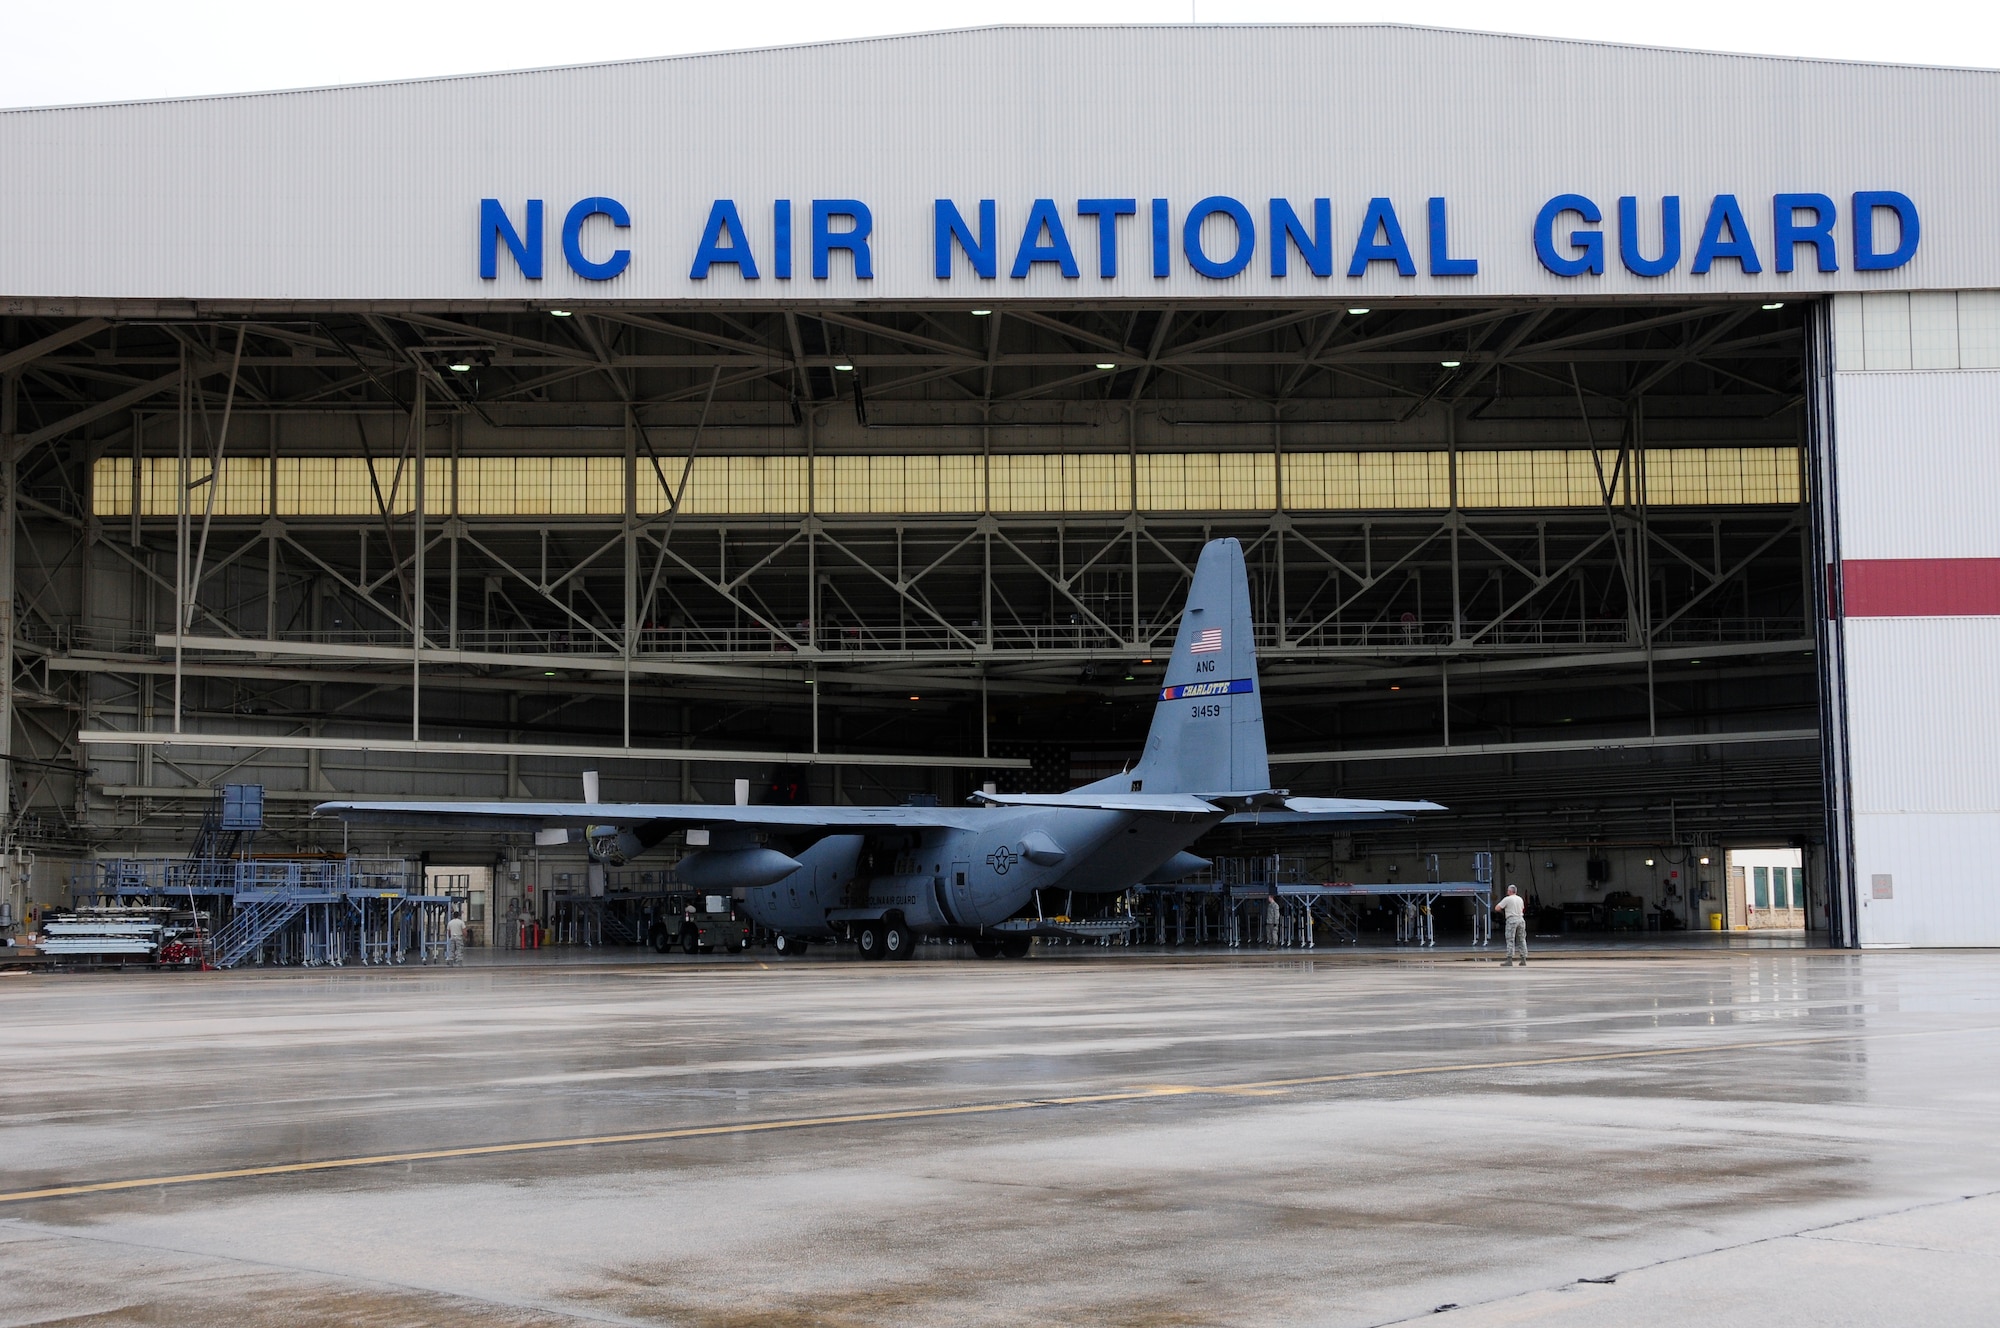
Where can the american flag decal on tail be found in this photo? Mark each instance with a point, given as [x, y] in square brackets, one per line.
[1207, 641]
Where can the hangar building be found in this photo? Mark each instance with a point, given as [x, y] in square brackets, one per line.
[1611, 432]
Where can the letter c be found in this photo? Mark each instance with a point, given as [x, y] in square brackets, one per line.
[572, 238]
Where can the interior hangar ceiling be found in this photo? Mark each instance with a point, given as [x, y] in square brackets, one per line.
[1526, 527]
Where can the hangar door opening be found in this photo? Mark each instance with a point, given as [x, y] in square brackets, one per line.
[1547, 563]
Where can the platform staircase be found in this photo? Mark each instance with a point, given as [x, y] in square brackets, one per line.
[255, 922]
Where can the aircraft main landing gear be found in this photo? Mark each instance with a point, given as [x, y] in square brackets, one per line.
[888, 939]
[786, 946]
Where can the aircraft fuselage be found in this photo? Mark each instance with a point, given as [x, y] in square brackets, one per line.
[962, 879]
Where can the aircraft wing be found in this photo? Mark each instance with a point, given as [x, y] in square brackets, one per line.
[1308, 811]
[1187, 803]
[527, 816]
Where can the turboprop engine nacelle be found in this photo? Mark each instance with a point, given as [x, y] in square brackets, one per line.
[735, 868]
[611, 846]
[1177, 868]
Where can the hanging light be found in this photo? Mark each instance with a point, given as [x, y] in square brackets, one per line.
[559, 313]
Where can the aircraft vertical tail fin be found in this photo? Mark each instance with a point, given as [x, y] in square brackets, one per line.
[1208, 725]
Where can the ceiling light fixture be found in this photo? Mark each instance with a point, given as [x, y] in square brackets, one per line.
[460, 365]
[981, 313]
[1357, 312]
[916, 698]
[1779, 305]
[1394, 687]
[844, 368]
[559, 313]
[1449, 364]
[1145, 661]
[1107, 366]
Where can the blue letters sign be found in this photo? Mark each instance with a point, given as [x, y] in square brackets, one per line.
[1219, 237]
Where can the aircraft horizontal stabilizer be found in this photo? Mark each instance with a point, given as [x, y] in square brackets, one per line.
[1105, 802]
[1311, 811]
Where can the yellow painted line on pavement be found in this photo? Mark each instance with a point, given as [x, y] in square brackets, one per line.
[1257, 1088]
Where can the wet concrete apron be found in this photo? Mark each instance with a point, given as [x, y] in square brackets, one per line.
[1351, 1139]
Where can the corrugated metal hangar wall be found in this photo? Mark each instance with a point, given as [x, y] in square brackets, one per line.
[1597, 419]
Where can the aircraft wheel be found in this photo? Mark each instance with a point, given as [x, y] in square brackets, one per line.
[868, 941]
[898, 941]
[1015, 947]
[986, 949]
[786, 946]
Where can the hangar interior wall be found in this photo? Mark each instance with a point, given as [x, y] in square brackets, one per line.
[1916, 423]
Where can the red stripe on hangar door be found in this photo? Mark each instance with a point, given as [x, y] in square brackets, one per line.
[1921, 587]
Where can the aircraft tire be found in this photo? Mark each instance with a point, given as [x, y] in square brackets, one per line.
[898, 941]
[986, 949]
[868, 940]
[1015, 947]
[786, 946]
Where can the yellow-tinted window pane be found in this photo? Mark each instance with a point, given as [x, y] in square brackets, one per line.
[930, 483]
[1097, 482]
[604, 494]
[1479, 482]
[1018, 483]
[341, 487]
[111, 486]
[1059, 482]
[1162, 479]
[733, 485]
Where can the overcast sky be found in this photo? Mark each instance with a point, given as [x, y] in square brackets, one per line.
[118, 50]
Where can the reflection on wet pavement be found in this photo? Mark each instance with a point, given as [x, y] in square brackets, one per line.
[1156, 1160]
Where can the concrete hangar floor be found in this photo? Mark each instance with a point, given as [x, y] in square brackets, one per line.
[1703, 1133]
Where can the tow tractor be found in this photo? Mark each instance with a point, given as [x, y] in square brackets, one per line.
[706, 923]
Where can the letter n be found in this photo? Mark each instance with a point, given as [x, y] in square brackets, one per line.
[495, 229]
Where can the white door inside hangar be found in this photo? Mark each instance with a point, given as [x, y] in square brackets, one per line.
[1906, 425]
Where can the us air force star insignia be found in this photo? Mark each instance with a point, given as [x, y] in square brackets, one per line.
[1002, 858]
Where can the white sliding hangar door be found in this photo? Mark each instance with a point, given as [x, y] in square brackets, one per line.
[1915, 593]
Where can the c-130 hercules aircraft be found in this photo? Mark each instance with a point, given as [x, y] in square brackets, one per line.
[885, 875]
